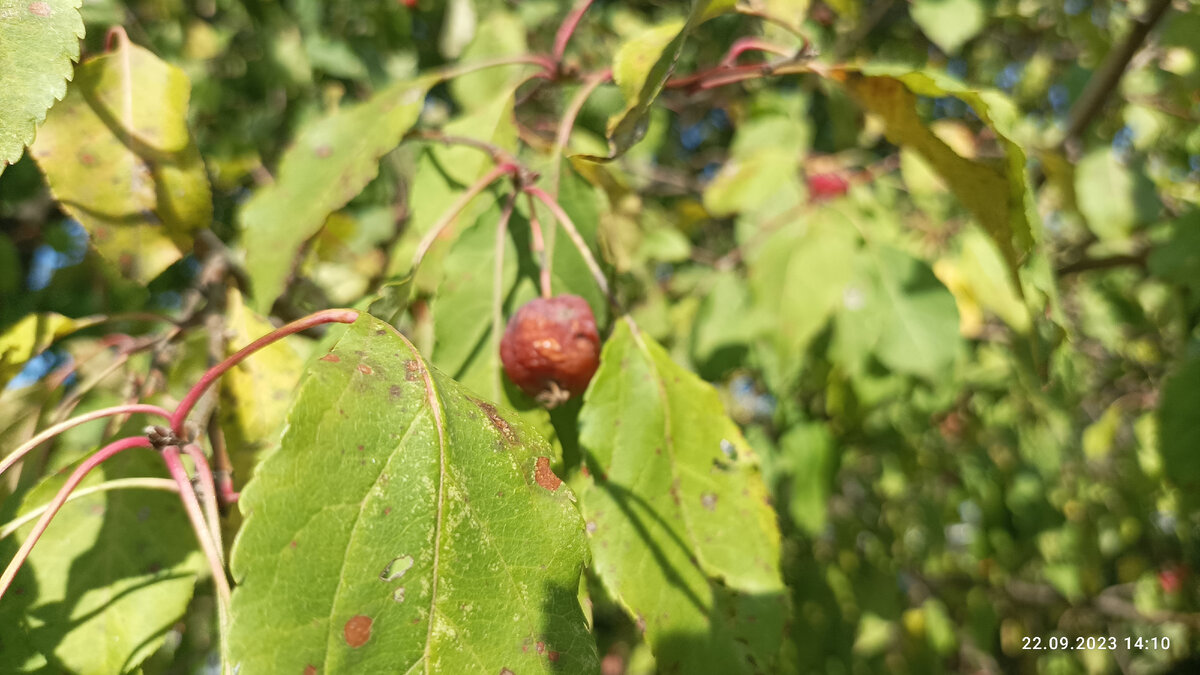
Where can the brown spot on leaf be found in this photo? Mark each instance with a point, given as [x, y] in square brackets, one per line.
[365, 369]
[357, 630]
[541, 647]
[544, 476]
[497, 421]
[394, 391]
[506, 671]
[293, 544]
[709, 501]
[412, 370]
[310, 669]
[552, 655]
[323, 151]
[39, 9]
[332, 358]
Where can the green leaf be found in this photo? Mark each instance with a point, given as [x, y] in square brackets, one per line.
[110, 577]
[330, 162]
[800, 277]
[1178, 258]
[643, 65]
[500, 34]
[790, 12]
[997, 195]
[1113, 198]
[465, 345]
[917, 316]
[405, 525]
[723, 326]
[129, 173]
[810, 462]
[762, 160]
[390, 302]
[682, 535]
[949, 23]
[1179, 430]
[38, 43]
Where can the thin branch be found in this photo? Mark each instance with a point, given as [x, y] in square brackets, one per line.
[1111, 262]
[573, 233]
[189, 400]
[116, 484]
[455, 209]
[209, 495]
[498, 283]
[567, 124]
[498, 154]
[548, 66]
[755, 44]
[64, 492]
[538, 244]
[724, 74]
[567, 29]
[50, 432]
[170, 455]
[1105, 79]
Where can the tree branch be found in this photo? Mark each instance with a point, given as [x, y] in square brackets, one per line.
[1106, 77]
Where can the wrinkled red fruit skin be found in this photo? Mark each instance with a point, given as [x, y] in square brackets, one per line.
[824, 186]
[551, 341]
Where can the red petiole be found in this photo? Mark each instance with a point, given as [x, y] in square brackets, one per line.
[204, 519]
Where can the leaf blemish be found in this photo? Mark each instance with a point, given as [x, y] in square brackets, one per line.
[709, 501]
[364, 369]
[498, 422]
[544, 476]
[357, 630]
[310, 670]
[396, 568]
[394, 391]
[398, 594]
[39, 9]
[323, 151]
[332, 358]
[412, 370]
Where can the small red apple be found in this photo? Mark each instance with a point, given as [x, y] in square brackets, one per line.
[551, 348]
[1171, 578]
[825, 186]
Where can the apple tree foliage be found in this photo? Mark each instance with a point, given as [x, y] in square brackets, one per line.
[899, 302]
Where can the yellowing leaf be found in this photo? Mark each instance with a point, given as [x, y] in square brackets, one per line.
[129, 173]
[997, 195]
[31, 336]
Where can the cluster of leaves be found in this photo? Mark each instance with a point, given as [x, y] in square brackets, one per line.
[901, 332]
